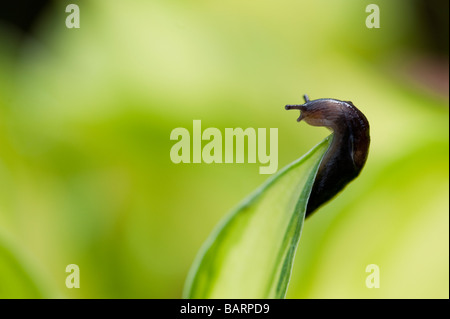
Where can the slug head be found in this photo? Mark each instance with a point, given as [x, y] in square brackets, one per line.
[321, 112]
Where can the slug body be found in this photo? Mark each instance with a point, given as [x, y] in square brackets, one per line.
[348, 151]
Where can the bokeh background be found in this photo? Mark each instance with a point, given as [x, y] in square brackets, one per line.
[86, 115]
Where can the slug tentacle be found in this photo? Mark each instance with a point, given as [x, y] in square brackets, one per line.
[348, 151]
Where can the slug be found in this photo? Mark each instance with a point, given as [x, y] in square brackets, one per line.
[348, 150]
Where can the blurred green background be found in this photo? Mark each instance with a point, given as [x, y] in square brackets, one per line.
[86, 115]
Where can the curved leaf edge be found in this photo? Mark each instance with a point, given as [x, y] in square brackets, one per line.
[288, 263]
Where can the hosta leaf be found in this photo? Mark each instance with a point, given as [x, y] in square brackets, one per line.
[250, 253]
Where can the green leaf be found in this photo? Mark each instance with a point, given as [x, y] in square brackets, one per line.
[251, 252]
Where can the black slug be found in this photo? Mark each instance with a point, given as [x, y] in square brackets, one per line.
[348, 151]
